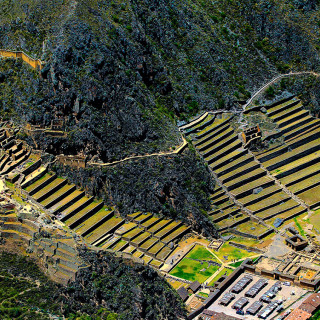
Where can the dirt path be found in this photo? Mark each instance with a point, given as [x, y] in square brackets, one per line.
[177, 151]
[264, 87]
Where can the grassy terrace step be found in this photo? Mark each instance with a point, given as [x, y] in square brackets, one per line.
[213, 128]
[109, 242]
[159, 226]
[130, 235]
[126, 227]
[296, 165]
[229, 158]
[15, 234]
[39, 182]
[211, 133]
[232, 166]
[302, 129]
[134, 215]
[175, 234]
[257, 197]
[67, 201]
[217, 195]
[146, 259]
[102, 228]
[224, 215]
[305, 184]
[300, 175]
[214, 138]
[246, 178]
[119, 246]
[129, 249]
[150, 222]
[137, 254]
[247, 168]
[58, 195]
[84, 214]
[48, 189]
[286, 112]
[221, 200]
[167, 229]
[280, 208]
[228, 204]
[229, 223]
[291, 156]
[252, 228]
[294, 117]
[292, 144]
[219, 213]
[201, 125]
[100, 216]
[296, 124]
[141, 238]
[311, 197]
[164, 253]
[220, 145]
[156, 248]
[246, 189]
[33, 176]
[76, 207]
[279, 107]
[269, 202]
[220, 139]
[148, 244]
[224, 151]
[142, 218]
[156, 264]
[288, 214]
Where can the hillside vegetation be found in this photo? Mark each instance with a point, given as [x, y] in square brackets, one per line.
[112, 289]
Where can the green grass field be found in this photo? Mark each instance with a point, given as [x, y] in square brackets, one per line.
[228, 253]
[224, 271]
[193, 270]
[200, 253]
[190, 269]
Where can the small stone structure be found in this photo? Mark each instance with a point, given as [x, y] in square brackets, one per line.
[72, 161]
[250, 135]
[296, 242]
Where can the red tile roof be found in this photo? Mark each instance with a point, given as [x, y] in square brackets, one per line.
[298, 314]
[311, 304]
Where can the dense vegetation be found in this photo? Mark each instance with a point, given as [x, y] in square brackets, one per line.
[130, 291]
[121, 71]
[175, 187]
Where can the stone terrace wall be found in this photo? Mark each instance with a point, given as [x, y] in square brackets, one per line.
[20, 54]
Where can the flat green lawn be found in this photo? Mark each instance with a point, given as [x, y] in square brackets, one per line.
[193, 270]
[201, 253]
[224, 271]
[228, 253]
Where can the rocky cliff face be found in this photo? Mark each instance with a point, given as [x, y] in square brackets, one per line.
[176, 187]
[120, 73]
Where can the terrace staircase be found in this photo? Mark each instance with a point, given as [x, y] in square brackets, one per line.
[241, 175]
[146, 237]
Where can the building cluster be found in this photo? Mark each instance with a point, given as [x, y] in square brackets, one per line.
[307, 308]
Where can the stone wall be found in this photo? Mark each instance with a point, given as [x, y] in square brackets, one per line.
[36, 64]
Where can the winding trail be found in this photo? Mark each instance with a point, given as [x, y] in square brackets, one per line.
[264, 87]
[177, 151]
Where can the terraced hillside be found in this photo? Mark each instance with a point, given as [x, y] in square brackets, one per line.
[261, 187]
[296, 163]
[141, 234]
